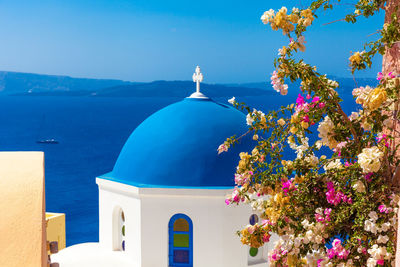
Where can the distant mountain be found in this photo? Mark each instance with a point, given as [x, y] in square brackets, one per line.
[178, 89]
[17, 83]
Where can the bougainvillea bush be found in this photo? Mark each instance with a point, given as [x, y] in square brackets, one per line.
[337, 209]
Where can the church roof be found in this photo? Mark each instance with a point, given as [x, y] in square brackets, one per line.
[177, 147]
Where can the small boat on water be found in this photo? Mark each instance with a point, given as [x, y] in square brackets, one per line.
[47, 141]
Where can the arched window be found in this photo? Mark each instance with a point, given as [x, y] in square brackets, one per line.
[256, 255]
[180, 230]
[119, 229]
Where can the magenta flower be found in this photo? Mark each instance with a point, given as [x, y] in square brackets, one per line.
[380, 76]
[383, 209]
[335, 197]
[300, 100]
[368, 177]
[337, 250]
[315, 99]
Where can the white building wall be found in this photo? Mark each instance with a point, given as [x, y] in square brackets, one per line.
[149, 210]
[215, 242]
[112, 196]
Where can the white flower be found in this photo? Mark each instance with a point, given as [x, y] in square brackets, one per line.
[319, 239]
[268, 16]
[354, 116]
[373, 215]
[361, 94]
[385, 227]
[370, 226]
[359, 186]
[277, 84]
[336, 164]
[325, 129]
[370, 159]
[249, 120]
[232, 101]
[312, 160]
[382, 239]
[333, 84]
[371, 262]
[222, 148]
[309, 235]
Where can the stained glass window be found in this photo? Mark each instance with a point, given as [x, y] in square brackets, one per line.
[122, 223]
[253, 219]
[253, 252]
[181, 256]
[180, 241]
[181, 225]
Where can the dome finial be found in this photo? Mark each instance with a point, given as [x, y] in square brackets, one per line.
[197, 78]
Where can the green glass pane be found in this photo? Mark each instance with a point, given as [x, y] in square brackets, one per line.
[253, 252]
[181, 225]
[123, 230]
[181, 240]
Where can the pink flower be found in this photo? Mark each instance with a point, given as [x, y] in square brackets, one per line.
[308, 96]
[300, 100]
[306, 118]
[380, 262]
[335, 197]
[321, 105]
[338, 250]
[368, 176]
[288, 186]
[391, 75]
[380, 76]
[384, 138]
[315, 99]
[266, 237]
[383, 209]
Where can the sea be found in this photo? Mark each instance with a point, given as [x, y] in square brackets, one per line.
[91, 132]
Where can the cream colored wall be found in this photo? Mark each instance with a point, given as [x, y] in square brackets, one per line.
[22, 209]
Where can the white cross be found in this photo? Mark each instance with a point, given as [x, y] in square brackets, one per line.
[197, 78]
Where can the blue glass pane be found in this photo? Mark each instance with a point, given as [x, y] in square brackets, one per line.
[123, 245]
[181, 256]
[253, 219]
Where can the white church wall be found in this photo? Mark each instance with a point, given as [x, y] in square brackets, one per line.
[215, 242]
[147, 215]
[114, 197]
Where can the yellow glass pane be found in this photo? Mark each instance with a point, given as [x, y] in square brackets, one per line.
[181, 225]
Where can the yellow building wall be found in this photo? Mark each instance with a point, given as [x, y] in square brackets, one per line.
[55, 228]
[22, 210]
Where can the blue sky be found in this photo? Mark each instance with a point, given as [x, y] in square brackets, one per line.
[152, 39]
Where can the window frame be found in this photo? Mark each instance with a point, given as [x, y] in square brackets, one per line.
[171, 246]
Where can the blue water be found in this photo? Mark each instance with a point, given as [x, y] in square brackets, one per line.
[91, 132]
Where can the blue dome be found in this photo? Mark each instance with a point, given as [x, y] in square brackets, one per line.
[177, 147]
